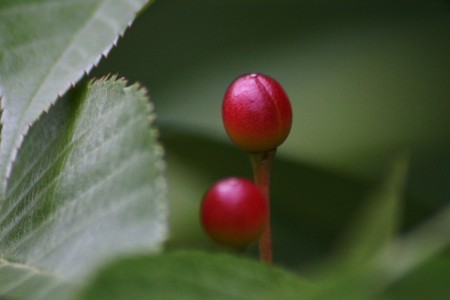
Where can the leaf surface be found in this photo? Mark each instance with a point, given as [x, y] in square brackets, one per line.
[377, 224]
[87, 186]
[195, 275]
[23, 282]
[46, 46]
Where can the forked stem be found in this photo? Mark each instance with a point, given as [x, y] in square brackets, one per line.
[261, 164]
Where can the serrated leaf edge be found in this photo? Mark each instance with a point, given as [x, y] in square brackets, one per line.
[160, 181]
[21, 135]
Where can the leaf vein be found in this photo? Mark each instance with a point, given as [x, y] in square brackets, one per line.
[33, 204]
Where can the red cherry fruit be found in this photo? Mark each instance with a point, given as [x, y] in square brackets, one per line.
[256, 113]
[234, 212]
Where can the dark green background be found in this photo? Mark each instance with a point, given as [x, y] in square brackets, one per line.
[367, 79]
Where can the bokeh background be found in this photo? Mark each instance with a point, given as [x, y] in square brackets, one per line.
[367, 80]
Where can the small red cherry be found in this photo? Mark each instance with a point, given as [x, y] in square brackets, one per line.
[234, 212]
[256, 113]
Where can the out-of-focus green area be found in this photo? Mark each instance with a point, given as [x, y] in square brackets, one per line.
[367, 79]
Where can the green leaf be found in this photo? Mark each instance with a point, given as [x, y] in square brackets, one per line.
[194, 275]
[410, 267]
[353, 273]
[428, 279]
[415, 248]
[87, 185]
[22, 281]
[377, 224]
[46, 46]
[400, 268]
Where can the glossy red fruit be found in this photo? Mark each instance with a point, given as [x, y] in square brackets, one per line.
[256, 113]
[234, 212]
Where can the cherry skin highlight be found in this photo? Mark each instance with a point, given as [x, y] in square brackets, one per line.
[234, 212]
[256, 113]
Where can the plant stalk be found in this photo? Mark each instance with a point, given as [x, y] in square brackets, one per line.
[261, 164]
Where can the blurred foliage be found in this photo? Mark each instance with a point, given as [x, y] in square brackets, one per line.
[366, 80]
[376, 265]
[194, 275]
[351, 211]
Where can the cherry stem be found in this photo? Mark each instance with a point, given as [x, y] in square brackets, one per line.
[261, 164]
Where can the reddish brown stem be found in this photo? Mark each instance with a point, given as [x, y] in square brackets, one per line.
[261, 164]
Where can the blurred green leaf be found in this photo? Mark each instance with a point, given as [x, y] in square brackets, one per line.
[355, 285]
[351, 273]
[194, 275]
[426, 241]
[377, 224]
[45, 47]
[18, 281]
[409, 266]
[87, 185]
[430, 280]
